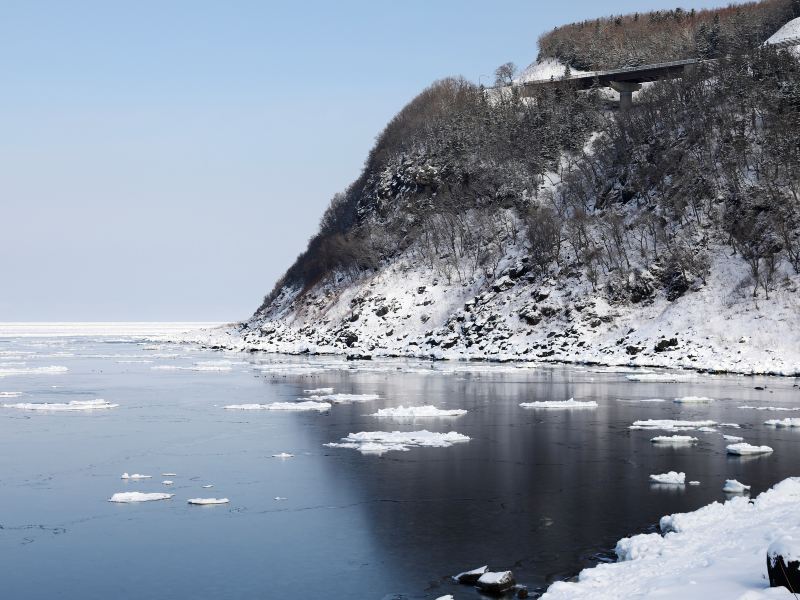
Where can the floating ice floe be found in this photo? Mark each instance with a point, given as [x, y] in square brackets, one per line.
[707, 430]
[417, 412]
[775, 408]
[319, 391]
[674, 439]
[169, 474]
[207, 486]
[658, 377]
[693, 400]
[783, 422]
[279, 498]
[378, 442]
[139, 497]
[299, 406]
[744, 448]
[447, 597]
[283, 455]
[345, 398]
[555, 404]
[694, 483]
[733, 438]
[10, 394]
[135, 476]
[205, 501]
[671, 478]
[731, 425]
[51, 370]
[734, 487]
[670, 424]
[471, 576]
[72, 406]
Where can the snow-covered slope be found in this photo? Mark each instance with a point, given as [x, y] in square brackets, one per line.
[718, 551]
[407, 310]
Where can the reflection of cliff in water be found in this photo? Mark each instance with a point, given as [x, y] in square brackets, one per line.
[541, 492]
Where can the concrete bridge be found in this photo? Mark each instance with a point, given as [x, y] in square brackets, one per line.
[630, 79]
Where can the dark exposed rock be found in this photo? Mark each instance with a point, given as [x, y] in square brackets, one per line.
[664, 345]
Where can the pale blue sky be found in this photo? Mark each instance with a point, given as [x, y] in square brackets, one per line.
[167, 160]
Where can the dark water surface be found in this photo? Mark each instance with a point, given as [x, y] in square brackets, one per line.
[544, 493]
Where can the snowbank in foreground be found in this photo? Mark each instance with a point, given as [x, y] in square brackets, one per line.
[718, 551]
[378, 442]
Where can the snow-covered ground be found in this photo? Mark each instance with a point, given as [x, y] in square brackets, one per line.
[408, 310]
[787, 34]
[718, 551]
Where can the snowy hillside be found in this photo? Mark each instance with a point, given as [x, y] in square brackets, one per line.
[554, 228]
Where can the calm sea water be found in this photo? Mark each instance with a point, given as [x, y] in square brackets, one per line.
[544, 493]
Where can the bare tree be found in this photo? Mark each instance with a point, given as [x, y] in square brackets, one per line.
[504, 74]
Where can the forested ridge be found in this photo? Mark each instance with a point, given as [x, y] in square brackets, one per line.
[631, 203]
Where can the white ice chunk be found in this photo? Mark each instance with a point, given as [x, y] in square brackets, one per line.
[670, 424]
[674, 439]
[745, 449]
[783, 422]
[418, 412]
[135, 476]
[671, 478]
[345, 398]
[733, 438]
[693, 400]
[378, 442]
[169, 474]
[167, 482]
[204, 501]
[734, 487]
[207, 486]
[560, 404]
[139, 497]
[296, 406]
[15, 371]
[283, 455]
[319, 391]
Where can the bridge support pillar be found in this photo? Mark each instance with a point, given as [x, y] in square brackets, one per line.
[625, 89]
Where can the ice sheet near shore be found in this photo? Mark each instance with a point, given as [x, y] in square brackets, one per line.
[291, 406]
[783, 422]
[74, 405]
[718, 551]
[417, 412]
[319, 391]
[379, 442]
[127, 497]
[556, 404]
[693, 400]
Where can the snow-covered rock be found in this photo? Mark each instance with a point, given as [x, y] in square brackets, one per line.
[743, 449]
[470, 577]
[379, 442]
[671, 478]
[495, 583]
[130, 497]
